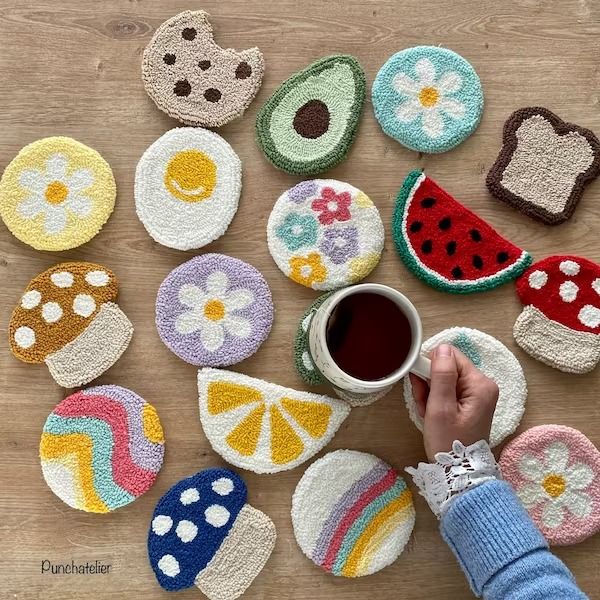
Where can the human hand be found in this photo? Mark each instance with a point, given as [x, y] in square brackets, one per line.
[457, 404]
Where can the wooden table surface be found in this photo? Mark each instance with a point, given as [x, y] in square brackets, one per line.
[72, 67]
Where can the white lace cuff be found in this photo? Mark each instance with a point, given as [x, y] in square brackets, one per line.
[453, 473]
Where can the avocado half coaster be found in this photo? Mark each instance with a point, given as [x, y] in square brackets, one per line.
[187, 187]
[352, 513]
[428, 98]
[214, 310]
[203, 533]
[101, 448]
[193, 79]
[448, 246]
[308, 125]
[555, 471]
[264, 427]
[495, 361]
[56, 194]
[67, 317]
[536, 141]
[325, 234]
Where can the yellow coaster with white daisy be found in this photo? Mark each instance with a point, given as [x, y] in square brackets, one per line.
[56, 194]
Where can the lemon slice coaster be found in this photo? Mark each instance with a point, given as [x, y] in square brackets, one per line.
[264, 427]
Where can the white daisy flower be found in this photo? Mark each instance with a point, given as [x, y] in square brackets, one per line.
[212, 311]
[54, 194]
[428, 97]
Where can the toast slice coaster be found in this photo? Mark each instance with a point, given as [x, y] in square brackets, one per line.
[544, 165]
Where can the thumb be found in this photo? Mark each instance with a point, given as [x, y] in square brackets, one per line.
[444, 376]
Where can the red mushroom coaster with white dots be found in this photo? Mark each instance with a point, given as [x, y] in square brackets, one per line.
[560, 321]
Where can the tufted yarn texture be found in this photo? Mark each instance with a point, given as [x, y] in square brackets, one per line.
[544, 165]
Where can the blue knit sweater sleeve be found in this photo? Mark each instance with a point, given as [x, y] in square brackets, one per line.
[501, 551]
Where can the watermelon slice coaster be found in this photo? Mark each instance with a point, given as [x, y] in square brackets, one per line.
[448, 246]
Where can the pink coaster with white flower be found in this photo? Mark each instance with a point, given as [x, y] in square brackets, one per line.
[555, 471]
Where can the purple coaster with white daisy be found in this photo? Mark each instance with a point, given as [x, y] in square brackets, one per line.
[214, 310]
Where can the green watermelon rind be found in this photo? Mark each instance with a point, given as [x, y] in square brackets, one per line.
[404, 248]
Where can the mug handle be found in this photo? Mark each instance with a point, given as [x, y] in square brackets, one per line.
[422, 367]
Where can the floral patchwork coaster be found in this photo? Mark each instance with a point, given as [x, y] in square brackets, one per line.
[193, 79]
[544, 165]
[264, 427]
[325, 234]
[352, 513]
[214, 310]
[495, 361]
[101, 448]
[203, 533]
[56, 194]
[428, 98]
[187, 187]
[555, 471]
[67, 317]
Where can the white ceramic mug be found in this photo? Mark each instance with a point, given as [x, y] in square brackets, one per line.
[415, 362]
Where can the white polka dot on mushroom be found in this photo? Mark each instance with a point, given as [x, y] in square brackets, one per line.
[168, 565]
[596, 285]
[31, 299]
[97, 278]
[162, 524]
[189, 496]
[568, 291]
[569, 267]
[84, 305]
[589, 316]
[216, 515]
[24, 337]
[222, 486]
[52, 312]
[538, 279]
[62, 279]
[186, 531]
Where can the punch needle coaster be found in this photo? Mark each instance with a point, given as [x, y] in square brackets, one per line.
[203, 533]
[194, 80]
[101, 448]
[352, 513]
[448, 246]
[560, 321]
[68, 319]
[187, 187]
[56, 194]
[544, 165]
[495, 361]
[555, 471]
[264, 427]
[309, 123]
[214, 310]
[428, 98]
[325, 234]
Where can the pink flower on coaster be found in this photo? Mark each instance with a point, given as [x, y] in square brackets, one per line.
[555, 471]
[332, 206]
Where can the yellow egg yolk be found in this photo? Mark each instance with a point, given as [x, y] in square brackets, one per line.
[56, 192]
[554, 485]
[214, 310]
[191, 176]
[428, 97]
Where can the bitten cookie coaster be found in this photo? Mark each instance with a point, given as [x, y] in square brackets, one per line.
[447, 245]
[56, 194]
[68, 318]
[187, 187]
[193, 79]
[544, 165]
[214, 310]
[428, 98]
[308, 125]
[352, 513]
[560, 321]
[264, 427]
[555, 471]
[325, 234]
[101, 448]
[493, 359]
[204, 534]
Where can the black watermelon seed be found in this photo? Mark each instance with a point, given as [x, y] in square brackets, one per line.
[502, 257]
[182, 88]
[204, 64]
[416, 226]
[477, 261]
[475, 235]
[451, 248]
[427, 202]
[457, 273]
[427, 246]
[445, 223]
[169, 59]
[189, 33]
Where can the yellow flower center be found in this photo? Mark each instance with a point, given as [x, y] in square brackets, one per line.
[56, 192]
[428, 96]
[554, 485]
[214, 310]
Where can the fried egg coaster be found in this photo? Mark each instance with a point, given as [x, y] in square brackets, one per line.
[203, 533]
[555, 471]
[325, 234]
[352, 513]
[495, 361]
[264, 427]
[68, 318]
[101, 448]
[56, 194]
[187, 188]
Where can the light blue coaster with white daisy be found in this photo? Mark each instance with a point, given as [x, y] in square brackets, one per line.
[428, 98]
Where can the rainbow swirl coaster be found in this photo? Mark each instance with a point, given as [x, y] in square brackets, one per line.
[187, 188]
[325, 234]
[56, 194]
[352, 513]
[101, 448]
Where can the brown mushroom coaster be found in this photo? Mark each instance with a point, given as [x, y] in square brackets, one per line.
[68, 318]
[544, 165]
